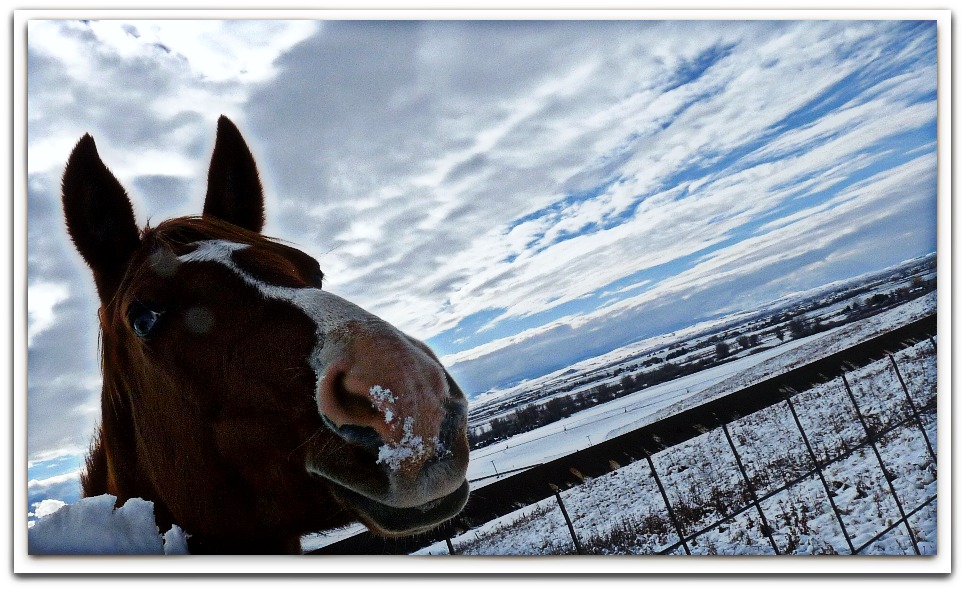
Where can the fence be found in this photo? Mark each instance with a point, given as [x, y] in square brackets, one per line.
[755, 496]
[515, 489]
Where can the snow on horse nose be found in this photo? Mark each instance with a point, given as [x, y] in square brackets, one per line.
[383, 383]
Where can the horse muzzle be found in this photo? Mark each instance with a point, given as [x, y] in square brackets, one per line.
[397, 452]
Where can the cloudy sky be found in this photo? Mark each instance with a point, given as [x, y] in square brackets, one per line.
[520, 195]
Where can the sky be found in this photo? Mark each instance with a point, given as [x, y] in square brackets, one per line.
[520, 195]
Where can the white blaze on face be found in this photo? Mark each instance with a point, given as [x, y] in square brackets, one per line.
[326, 310]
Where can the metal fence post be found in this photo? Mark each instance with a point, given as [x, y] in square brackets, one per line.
[881, 463]
[666, 501]
[912, 408]
[750, 487]
[566, 517]
[820, 473]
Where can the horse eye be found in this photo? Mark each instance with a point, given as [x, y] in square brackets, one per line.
[142, 319]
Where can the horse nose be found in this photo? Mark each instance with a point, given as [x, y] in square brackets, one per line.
[387, 395]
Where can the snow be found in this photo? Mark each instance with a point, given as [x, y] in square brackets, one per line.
[47, 507]
[318, 540]
[780, 360]
[94, 526]
[383, 399]
[605, 421]
[409, 447]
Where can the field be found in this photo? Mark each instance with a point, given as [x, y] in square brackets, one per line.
[624, 512]
[608, 420]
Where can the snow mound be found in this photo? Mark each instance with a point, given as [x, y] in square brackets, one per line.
[94, 526]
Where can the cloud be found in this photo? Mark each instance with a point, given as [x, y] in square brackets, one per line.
[64, 487]
[522, 194]
[44, 297]
[792, 257]
[646, 137]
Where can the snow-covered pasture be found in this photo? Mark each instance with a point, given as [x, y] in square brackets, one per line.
[622, 415]
[623, 512]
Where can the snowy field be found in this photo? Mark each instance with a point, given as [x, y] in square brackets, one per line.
[624, 513]
[608, 420]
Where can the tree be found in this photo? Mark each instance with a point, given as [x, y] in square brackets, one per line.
[723, 350]
[626, 382]
[797, 328]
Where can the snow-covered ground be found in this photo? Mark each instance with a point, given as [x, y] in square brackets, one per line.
[633, 411]
[624, 513]
[627, 413]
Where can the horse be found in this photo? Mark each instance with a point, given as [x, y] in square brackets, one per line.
[251, 406]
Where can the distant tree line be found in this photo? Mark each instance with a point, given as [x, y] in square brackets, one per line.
[794, 325]
[880, 301]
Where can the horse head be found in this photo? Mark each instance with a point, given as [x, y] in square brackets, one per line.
[248, 403]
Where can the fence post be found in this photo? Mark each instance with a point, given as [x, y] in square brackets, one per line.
[750, 487]
[881, 463]
[449, 545]
[817, 468]
[566, 517]
[666, 501]
[914, 409]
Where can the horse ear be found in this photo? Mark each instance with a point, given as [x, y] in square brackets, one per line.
[234, 191]
[99, 215]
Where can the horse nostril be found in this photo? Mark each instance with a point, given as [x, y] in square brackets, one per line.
[364, 437]
[343, 405]
[349, 414]
[384, 395]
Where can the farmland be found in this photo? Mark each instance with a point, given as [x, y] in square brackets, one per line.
[623, 512]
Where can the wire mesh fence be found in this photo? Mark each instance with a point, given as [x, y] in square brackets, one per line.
[834, 457]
